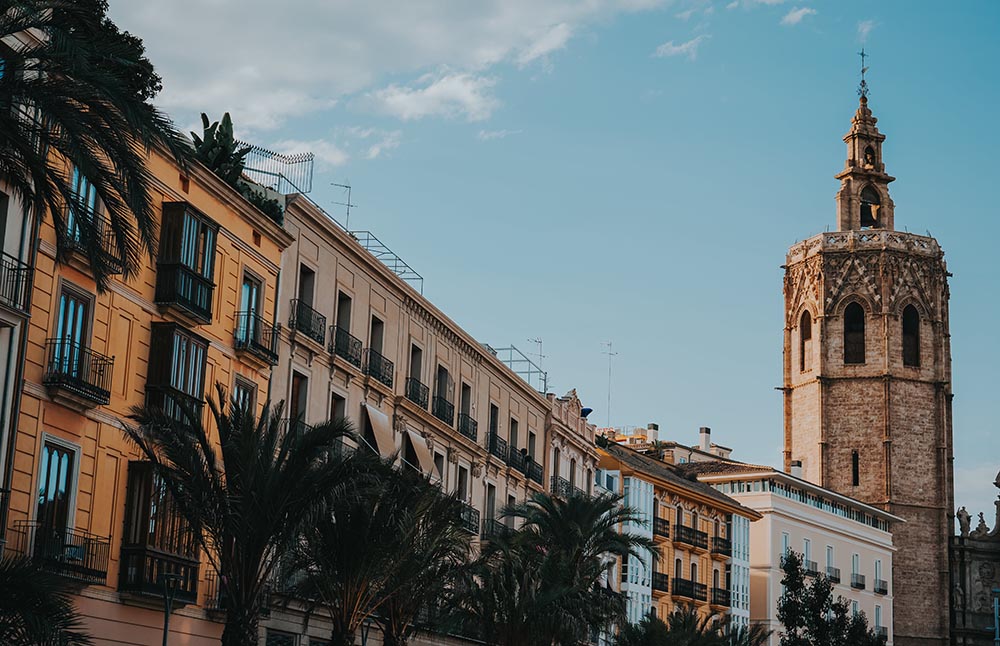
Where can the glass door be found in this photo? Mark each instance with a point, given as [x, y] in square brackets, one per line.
[71, 335]
[52, 511]
[248, 327]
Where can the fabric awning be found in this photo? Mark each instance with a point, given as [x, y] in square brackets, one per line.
[382, 429]
[423, 453]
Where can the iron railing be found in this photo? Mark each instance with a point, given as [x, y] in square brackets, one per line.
[469, 516]
[15, 278]
[518, 460]
[443, 409]
[498, 447]
[468, 427]
[535, 472]
[689, 589]
[833, 573]
[378, 367]
[722, 546]
[346, 346]
[100, 239]
[881, 586]
[858, 581]
[177, 285]
[174, 403]
[70, 553]
[256, 336]
[882, 631]
[811, 568]
[494, 528]
[661, 527]
[142, 568]
[690, 536]
[661, 581]
[217, 597]
[560, 486]
[78, 369]
[721, 597]
[417, 392]
[308, 321]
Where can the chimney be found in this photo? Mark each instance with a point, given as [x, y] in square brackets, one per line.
[796, 468]
[705, 435]
[652, 432]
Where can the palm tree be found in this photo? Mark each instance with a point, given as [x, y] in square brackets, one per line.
[79, 98]
[381, 554]
[35, 607]
[247, 496]
[687, 627]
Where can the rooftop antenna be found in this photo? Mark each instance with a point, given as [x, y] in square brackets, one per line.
[545, 377]
[348, 204]
[863, 88]
[611, 356]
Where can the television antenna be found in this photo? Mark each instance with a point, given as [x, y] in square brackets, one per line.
[545, 376]
[611, 356]
[348, 203]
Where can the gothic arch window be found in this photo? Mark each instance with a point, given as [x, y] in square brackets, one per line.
[854, 334]
[805, 342]
[911, 336]
[871, 202]
[855, 469]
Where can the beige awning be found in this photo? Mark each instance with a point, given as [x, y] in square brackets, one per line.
[382, 428]
[423, 453]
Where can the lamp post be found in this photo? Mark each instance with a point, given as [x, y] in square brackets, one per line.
[169, 591]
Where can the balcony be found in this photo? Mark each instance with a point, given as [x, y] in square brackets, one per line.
[689, 589]
[517, 460]
[495, 529]
[721, 597]
[378, 367]
[345, 346]
[468, 427]
[77, 373]
[562, 487]
[71, 553]
[833, 573]
[722, 546]
[882, 631]
[15, 280]
[256, 337]
[880, 586]
[175, 404]
[95, 239]
[417, 392]
[444, 410]
[470, 518]
[498, 447]
[142, 569]
[178, 286]
[690, 536]
[308, 321]
[535, 472]
[811, 568]
[661, 582]
[661, 527]
[858, 581]
[216, 596]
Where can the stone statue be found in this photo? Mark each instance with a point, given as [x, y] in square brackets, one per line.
[963, 521]
[981, 529]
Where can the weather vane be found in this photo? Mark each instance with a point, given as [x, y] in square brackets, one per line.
[863, 88]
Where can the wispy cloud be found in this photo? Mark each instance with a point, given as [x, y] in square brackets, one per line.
[552, 40]
[795, 16]
[689, 48]
[686, 14]
[454, 95]
[374, 140]
[327, 153]
[749, 4]
[489, 135]
[865, 28]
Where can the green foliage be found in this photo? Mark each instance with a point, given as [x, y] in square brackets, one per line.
[812, 617]
[36, 607]
[269, 206]
[686, 627]
[218, 150]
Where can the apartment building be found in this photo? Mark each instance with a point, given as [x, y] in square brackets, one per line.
[697, 531]
[82, 504]
[846, 540]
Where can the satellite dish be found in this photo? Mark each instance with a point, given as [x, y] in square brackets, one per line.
[585, 411]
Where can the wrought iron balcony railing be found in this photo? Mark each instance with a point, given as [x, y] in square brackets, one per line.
[858, 581]
[174, 403]
[689, 589]
[661, 527]
[722, 546]
[79, 370]
[345, 346]
[468, 427]
[15, 279]
[498, 446]
[811, 568]
[880, 586]
[690, 536]
[417, 392]
[535, 472]
[96, 239]
[721, 597]
[882, 631]
[70, 553]
[661, 582]
[444, 410]
[142, 567]
[470, 518]
[560, 486]
[177, 285]
[833, 573]
[517, 460]
[494, 528]
[308, 321]
[378, 367]
[257, 336]
[217, 597]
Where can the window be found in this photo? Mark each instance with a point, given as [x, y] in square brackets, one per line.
[494, 419]
[678, 569]
[512, 434]
[878, 570]
[279, 638]
[556, 465]
[694, 520]
[491, 502]
[572, 472]
[854, 334]
[829, 556]
[511, 501]
[299, 397]
[878, 617]
[806, 549]
[679, 516]
[177, 362]
[855, 564]
[531, 444]
[343, 311]
[376, 334]
[694, 572]
[416, 362]
[805, 342]
[307, 285]
[784, 543]
[911, 336]
[245, 394]
[248, 324]
[338, 406]
[70, 346]
[83, 207]
[854, 609]
[56, 481]
[463, 483]
[855, 469]
[870, 205]
[590, 482]
[439, 465]
[186, 267]
[715, 578]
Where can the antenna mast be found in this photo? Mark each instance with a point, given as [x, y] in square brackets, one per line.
[348, 204]
[611, 356]
[545, 376]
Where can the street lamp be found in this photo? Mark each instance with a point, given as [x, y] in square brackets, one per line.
[169, 580]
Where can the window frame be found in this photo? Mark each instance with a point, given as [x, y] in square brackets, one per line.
[72, 486]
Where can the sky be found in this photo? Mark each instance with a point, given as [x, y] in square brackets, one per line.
[633, 171]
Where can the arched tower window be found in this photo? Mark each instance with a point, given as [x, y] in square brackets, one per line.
[805, 342]
[694, 572]
[854, 334]
[678, 571]
[855, 469]
[911, 336]
[869, 157]
[870, 204]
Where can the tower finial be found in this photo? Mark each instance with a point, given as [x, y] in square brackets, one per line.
[863, 87]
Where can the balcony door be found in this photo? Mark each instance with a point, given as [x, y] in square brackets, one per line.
[82, 207]
[71, 333]
[55, 488]
[247, 328]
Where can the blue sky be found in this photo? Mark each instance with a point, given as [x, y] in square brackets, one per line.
[625, 170]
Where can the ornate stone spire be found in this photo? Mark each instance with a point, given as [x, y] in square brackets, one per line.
[863, 201]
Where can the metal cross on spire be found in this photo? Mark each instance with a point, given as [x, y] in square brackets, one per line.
[863, 88]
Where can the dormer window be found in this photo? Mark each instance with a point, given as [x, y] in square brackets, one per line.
[871, 202]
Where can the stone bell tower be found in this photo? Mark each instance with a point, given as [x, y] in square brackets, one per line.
[867, 378]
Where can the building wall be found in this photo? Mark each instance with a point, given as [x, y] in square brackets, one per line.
[636, 578]
[739, 582]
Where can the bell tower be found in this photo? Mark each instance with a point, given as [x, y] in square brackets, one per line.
[867, 378]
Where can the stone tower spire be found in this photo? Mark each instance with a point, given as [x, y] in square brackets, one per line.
[867, 378]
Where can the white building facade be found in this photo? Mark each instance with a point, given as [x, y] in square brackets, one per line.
[636, 581]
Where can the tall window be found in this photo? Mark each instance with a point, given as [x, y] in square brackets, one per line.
[679, 517]
[854, 334]
[177, 361]
[878, 570]
[678, 569]
[343, 311]
[376, 334]
[495, 422]
[855, 469]
[82, 207]
[512, 434]
[297, 400]
[829, 556]
[805, 342]
[572, 472]
[878, 617]
[72, 335]
[855, 564]
[870, 205]
[694, 572]
[248, 319]
[784, 543]
[911, 336]
[806, 549]
[338, 406]
[462, 487]
[55, 480]
[245, 393]
[186, 268]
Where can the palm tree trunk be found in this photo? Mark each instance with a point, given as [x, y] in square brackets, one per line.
[241, 628]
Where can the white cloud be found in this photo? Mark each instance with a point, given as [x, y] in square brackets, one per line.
[686, 14]
[795, 16]
[327, 153]
[448, 95]
[489, 135]
[689, 48]
[864, 29]
[552, 40]
[733, 5]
